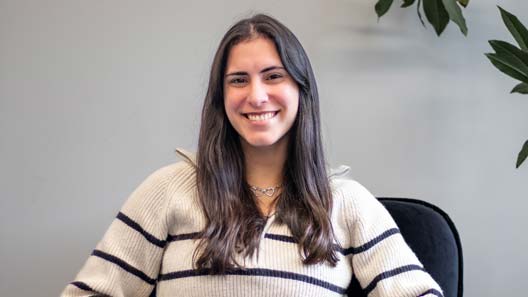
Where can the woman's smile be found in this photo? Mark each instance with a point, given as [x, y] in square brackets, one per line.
[260, 117]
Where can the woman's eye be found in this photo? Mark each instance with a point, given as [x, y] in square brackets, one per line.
[275, 76]
[237, 81]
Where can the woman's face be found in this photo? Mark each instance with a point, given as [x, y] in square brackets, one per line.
[260, 98]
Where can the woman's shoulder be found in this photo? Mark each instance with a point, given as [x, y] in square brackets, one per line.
[356, 208]
[347, 191]
[343, 184]
[179, 172]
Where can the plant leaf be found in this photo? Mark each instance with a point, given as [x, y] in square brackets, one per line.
[418, 11]
[436, 14]
[504, 48]
[407, 3]
[516, 28]
[382, 7]
[464, 3]
[455, 14]
[507, 66]
[522, 154]
[521, 88]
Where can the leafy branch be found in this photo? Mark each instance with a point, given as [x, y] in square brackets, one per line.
[508, 58]
[513, 61]
[437, 12]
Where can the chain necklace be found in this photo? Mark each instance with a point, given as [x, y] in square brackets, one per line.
[264, 191]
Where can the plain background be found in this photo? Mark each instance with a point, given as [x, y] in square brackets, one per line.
[96, 95]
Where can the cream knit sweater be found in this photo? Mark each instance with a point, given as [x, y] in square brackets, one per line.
[149, 246]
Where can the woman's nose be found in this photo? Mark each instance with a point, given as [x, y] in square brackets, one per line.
[258, 93]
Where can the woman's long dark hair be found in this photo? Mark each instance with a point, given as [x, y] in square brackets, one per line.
[233, 220]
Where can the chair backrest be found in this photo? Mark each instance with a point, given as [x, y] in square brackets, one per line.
[433, 237]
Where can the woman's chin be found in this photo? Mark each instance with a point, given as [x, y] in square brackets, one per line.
[260, 142]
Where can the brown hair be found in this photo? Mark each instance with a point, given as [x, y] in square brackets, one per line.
[233, 221]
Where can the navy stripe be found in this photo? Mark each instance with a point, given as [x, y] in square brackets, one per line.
[290, 239]
[82, 286]
[257, 272]
[85, 287]
[278, 237]
[153, 293]
[347, 251]
[433, 292]
[373, 242]
[185, 236]
[132, 224]
[127, 267]
[390, 273]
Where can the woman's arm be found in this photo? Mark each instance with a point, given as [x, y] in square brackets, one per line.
[383, 262]
[126, 261]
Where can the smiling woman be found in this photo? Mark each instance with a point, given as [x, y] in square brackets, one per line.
[255, 212]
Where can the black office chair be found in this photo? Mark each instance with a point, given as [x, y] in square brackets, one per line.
[433, 237]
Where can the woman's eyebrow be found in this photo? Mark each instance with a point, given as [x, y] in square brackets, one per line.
[271, 68]
[236, 73]
[261, 71]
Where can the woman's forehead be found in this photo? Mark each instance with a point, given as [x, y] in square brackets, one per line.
[253, 54]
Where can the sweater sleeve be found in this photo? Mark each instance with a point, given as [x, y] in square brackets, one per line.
[126, 262]
[382, 261]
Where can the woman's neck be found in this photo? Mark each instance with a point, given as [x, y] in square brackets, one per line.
[265, 169]
[265, 165]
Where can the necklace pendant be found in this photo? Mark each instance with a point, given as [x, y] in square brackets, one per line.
[269, 192]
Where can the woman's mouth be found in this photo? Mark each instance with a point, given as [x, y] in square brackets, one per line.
[261, 116]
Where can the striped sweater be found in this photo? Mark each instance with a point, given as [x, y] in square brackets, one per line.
[148, 250]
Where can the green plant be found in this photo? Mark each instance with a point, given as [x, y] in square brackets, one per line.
[513, 61]
[438, 12]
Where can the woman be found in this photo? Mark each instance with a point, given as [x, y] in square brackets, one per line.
[255, 212]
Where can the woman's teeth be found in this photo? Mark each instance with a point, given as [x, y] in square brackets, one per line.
[260, 117]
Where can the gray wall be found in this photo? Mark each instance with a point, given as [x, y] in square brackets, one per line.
[95, 95]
